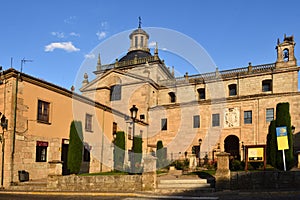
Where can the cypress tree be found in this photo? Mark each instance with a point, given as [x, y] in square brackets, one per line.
[283, 118]
[159, 154]
[137, 154]
[119, 150]
[274, 156]
[75, 147]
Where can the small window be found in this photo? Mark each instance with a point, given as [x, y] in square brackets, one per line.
[41, 151]
[269, 114]
[164, 124]
[201, 93]
[43, 111]
[196, 120]
[142, 41]
[136, 41]
[86, 154]
[285, 55]
[88, 122]
[172, 97]
[115, 127]
[115, 92]
[232, 90]
[266, 85]
[215, 120]
[248, 117]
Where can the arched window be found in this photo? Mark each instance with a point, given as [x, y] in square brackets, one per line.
[267, 85]
[115, 92]
[232, 90]
[172, 97]
[285, 55]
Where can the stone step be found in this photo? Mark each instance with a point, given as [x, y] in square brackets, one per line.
[184, 190]
[183, 185]
[183, 181]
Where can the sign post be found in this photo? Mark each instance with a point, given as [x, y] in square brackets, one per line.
[282, 142]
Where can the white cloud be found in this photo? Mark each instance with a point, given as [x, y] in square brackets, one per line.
[104, 25]
[67, 46]
[101, 34]
[152, 44]
[89, 56]
[74, 34]
[58, 34]
[70, 20]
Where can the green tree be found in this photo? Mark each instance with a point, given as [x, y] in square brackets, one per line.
[160, 154]
[119, 150]
[75, 147]
[272, 144]
[274, 155]
[137, 154]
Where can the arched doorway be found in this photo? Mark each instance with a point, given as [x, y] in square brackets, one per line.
[232, 146]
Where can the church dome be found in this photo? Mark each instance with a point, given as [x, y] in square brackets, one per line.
[135, 53]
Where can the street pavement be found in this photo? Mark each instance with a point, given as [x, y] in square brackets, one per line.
[223, 195]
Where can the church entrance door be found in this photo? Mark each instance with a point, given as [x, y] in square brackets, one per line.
[232, 146]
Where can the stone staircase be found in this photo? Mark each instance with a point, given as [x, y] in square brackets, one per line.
[32, 185]
[183, 184]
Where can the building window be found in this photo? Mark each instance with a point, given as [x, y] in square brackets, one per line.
[215, 119]
[266, 85]
[164, 124]
[142, 117]
[248, 117]
[172, 97]
[285, 55]
[43, 111]
[142, 41]
[136, 41]
[115, 128]
[115, 92]
[201, 93]
[41, 151]
[88, 122]
[129, 133]
[196, 120]
[269, 114]
[86, 154]
[232, 90]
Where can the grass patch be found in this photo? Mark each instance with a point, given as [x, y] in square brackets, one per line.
[104, 174]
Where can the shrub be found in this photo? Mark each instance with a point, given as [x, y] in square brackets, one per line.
[119, 150]
[75, 147]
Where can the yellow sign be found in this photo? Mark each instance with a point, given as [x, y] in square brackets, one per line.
[282, 138]
[256, 154]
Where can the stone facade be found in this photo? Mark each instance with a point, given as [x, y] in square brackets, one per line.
[235, 109]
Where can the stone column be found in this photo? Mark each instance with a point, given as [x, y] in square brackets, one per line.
[149, 174]
[223, 172]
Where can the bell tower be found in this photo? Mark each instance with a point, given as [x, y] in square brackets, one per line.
[285, 52]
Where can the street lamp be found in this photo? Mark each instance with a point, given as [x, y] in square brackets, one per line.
[200, 142]
[133, 112]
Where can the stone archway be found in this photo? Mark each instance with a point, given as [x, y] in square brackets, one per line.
[232, 146]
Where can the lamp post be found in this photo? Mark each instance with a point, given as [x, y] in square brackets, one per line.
[133, 112]
[4, 122]
[243, 151]
[200, 142]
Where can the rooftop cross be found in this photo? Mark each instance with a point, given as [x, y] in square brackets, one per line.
[140, 22]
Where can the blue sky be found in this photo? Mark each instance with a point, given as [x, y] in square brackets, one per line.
[58, 35]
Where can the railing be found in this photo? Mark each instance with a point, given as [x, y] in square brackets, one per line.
[135, 61]
[201, 78]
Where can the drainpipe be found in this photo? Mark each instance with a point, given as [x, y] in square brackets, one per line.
[14, 131]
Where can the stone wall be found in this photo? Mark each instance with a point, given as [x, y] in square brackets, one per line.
[108, 183]
[265, 180]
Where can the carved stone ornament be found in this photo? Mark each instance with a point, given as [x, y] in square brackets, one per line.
[231, 117]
